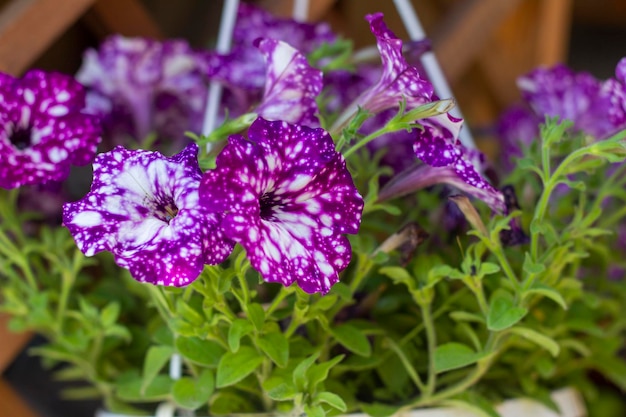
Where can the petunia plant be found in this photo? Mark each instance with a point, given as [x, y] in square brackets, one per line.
[336, 249]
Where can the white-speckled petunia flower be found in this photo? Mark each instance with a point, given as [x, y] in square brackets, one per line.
[143, 207]
[288, 199]
[291, 85]
[44, 130]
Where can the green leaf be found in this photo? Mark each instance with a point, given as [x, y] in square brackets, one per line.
[192, 394]
[548, 292]
[342, 290]
[379, 410]
[299, 374]
[319, 373]
[202, 352]
[229, 402]
[333, 400]
[155, 360]
[238, 329]
[314, 411]
[276, 346]
[466, 316]
[482, 410]
[503, 314]
[540, 339]
[352, 339]
[488, 268]
[531, 267]
[279, 388]
[235, 366]
[110, 313]
[399, 275]
[455, 355]
[256, 315]
[131, 389]
[188, 313]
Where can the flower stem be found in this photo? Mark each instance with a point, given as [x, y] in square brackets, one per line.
[431, 340]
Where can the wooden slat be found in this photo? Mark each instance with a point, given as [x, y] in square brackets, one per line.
[553, 31]
[461, 37]
[11, 345]
[126, 17]
[11, 404]
[29, 27]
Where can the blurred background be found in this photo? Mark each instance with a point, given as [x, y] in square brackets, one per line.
[482, 46]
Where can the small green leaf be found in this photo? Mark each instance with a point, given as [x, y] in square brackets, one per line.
[488, 268]
[314, 411]
[276, 346]
[155, 360]
[238, 329]
[299, 374]
[333, 400]
[352, 339]
[202, 352]
[455, 355]
[531, 267]
[319, 373]
[540, 339]
[110, 313]
[226, 402]
[235, 366]
[256, 315]
[379, 410]
[466, 316]
[399, 275]
[279, 388]
[131, 389]
[503, 314]
[342, 290]
[192, 394]
[548, 292]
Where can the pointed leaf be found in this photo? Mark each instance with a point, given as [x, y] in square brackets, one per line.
[276, 346]
[202, 352]
[455, 355]
[238, 329]
[191, 393]
[352, 339]
[256, 315]
[333, 400]
[155, 360]
[534, 336]
[548, 292]
[235, 366]
[503, 314]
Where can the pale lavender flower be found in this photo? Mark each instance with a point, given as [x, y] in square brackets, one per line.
[143, 207]
[288, 200]
[615, 92]
[517, 128]
[44, 129]
[142, 86]
[291, 85]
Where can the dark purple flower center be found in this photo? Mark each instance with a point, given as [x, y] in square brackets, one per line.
[166, 212]
[268, 203]
[20, 138]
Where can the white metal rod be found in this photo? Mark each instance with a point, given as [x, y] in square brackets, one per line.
[224, 40]
[431, 65]
[300, 10]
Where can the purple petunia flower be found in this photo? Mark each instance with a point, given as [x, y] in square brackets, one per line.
[143, 207]
[517, 128]
[142, 86]
[44, 128]
[288, 200]
[291, 85]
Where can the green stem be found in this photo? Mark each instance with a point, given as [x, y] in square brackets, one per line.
[367, 139]
[431, 340]
[407, 365]
[67, 281]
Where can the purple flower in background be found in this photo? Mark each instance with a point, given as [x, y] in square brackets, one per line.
[517, 128]
[143, 207]
[44, 128]
[142, 86]
[288, 200]
[291, 85]
[615, 92]
[242, 70]
[460, 171]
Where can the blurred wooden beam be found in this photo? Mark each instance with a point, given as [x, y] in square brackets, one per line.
[12, 404]
[126, 17]
[462, 35]
[29, 27]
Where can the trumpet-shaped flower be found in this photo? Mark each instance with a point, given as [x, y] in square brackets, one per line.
[44, 130]
[142, 86]
[288, 200]
[291, 85]
[143, 207]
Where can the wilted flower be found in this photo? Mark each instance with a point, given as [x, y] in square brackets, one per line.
[288, 200]
[45, 130]
[143, 207]
[142, 86]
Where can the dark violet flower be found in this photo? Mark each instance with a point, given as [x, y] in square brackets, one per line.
[291, 85]
[459, 171]
[517, 128]
[142, 86]
[615, 92]
[143, 207]
[288, 200]
[44, 129]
